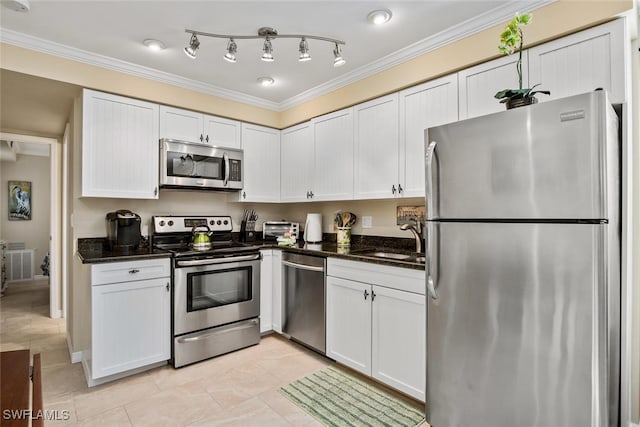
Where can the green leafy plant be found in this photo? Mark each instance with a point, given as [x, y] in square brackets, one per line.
[512, 40]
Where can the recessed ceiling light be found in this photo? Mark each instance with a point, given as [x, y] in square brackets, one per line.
[17, 5]
[379, 17]
[153, 44]
[266, 81]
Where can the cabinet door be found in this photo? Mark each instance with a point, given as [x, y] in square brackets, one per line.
[478, 85]
[183, 125]
[297, 159]
[261, 164]
[266, 291]
[221, 132]
[277, 291]
[333, 156]
[376, 148]
[119, 147]
[130, 325]
[398, 340]
[349, 323]
[429, 104]
[581, 63]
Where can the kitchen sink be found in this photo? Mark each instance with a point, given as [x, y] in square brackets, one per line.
[391, 255]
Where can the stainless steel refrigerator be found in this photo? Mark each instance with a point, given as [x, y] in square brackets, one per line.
[523, 270]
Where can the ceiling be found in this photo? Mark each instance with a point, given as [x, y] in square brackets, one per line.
[110, 33]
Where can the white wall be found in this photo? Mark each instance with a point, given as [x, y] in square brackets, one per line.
[35, 233]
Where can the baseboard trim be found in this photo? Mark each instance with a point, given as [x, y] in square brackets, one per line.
[75, 356]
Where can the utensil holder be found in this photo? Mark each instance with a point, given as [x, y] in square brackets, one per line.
[344, 236]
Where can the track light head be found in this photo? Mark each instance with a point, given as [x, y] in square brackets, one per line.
[194, 44]
[304, 51]
[338, 60]
[267, 51]
[232, 48]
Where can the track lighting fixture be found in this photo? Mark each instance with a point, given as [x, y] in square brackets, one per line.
[194, 44]
[338, 60]
[232, 48]
[267, 34]
[304, 51]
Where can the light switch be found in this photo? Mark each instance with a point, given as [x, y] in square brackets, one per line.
[367, 222]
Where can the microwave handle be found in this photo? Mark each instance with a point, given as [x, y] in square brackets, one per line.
[225, 157]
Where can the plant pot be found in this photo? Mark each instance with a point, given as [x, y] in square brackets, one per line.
[521, 102]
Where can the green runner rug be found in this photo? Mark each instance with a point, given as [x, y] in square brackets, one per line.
[336, 398]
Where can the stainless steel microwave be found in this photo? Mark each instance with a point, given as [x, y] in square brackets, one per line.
[200, 166]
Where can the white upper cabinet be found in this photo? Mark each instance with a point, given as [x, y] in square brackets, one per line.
[191, 126]
[261, 174]
[478, 85]
[119, 147]
[297, 163]
[376, 148]
[333, 156]
[581, 62]
[430, 104]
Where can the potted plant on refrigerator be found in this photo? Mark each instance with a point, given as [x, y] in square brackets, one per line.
[511, 40]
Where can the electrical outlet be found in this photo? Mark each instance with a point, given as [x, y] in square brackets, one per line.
[367, 222]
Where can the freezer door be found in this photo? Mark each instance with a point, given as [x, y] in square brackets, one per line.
[517, 331]
[552, 160]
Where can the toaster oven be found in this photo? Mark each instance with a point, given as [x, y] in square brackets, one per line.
[271, 230]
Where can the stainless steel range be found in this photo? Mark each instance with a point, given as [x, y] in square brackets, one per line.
[216, 290]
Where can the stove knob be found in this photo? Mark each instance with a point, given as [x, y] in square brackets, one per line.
[218, 222]
[226, 222]
[170, 223]
[212, 222]
[161, 223]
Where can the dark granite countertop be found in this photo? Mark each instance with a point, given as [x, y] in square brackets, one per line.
[94, 250]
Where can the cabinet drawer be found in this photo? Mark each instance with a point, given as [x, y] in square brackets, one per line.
[403, 279]
[115, 272]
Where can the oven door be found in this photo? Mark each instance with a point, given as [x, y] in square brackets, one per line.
[214, 292]
[185, 164]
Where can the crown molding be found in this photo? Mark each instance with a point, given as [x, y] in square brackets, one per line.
[457, 32]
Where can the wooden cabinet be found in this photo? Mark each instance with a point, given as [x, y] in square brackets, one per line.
[377, 148]
[297, 163]
[478, 85]
[271, 291]
[430, 104]
[119, 147]
[333, 156]
[191, 126]
[376, 322]
[581, 62]
[130, 316]
[261, 147]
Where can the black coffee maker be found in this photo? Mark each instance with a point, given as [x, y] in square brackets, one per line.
[123, 230]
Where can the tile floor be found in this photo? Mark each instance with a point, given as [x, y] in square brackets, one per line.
[237, 389]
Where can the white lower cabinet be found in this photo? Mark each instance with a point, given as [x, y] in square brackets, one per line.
[130, 316]
[271, 291]
[376, 322]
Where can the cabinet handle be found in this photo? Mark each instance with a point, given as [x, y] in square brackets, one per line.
[155, 191]
[400, 189]
[244, 195]
[393, 189]
[134, 271]
[207, 138]
[373, 296]
[201, 137]
[168, 287]
[366, 294]
[307, 194]
[311, 194]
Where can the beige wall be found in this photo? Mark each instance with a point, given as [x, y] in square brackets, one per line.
[34, 233]
[635, 330]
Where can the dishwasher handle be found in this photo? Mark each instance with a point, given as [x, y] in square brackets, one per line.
[303, 266]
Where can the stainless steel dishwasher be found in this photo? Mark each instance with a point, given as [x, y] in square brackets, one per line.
[304, 299]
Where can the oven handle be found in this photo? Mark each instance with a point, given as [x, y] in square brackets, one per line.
[302, 266]
[211, 261]
[221, 330]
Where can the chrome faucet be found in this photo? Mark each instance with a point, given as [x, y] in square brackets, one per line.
[417, 233]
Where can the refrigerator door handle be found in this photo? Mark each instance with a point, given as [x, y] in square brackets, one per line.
[431, 148]
[432, 260]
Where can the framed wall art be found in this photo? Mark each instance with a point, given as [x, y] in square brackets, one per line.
[19, 200]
